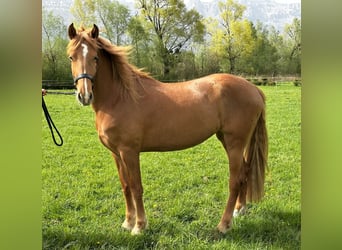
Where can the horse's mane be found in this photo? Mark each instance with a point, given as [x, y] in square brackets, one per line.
[125, 74]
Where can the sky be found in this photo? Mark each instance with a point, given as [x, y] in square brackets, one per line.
[278, 1]
[288, 1]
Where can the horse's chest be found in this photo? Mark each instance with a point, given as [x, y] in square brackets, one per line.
[107, 133]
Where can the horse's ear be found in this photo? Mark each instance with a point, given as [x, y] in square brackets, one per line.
[95, 32]
[71, 31]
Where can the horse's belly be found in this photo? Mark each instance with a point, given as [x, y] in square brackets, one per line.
[176, 136]
[170, 144]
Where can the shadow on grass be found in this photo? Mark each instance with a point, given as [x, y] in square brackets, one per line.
[271, 229]
[120, 239]
[277, 229]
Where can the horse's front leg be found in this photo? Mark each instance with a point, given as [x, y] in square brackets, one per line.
[130, 207]
[131, 164]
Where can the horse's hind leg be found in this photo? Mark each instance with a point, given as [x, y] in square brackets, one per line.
[234, 148]
[240, 206]
[130, 208]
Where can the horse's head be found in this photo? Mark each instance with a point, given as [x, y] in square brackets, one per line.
[82, 52]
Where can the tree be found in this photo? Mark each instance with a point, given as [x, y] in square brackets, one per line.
[140, 41]
[54, 42]
[234, 35]
[276, 40]
[174, 27]
[207, 61]
[263, 59]
[288, 48]
[84, 12]
[293, 39]
[108, 14]
[114, 17]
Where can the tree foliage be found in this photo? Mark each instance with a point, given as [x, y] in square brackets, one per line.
[53, 47]
[231, 36]
[174, 43]
[264, 57]
[84, 12]
[112, 16]
[173, 26]
[115, 18]
[293, 42]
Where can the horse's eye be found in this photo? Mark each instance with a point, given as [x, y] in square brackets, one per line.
[96, 58]
[70, 58]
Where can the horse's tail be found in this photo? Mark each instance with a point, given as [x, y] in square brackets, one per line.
[256, 157]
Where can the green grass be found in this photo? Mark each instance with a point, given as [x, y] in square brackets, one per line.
[184, 192]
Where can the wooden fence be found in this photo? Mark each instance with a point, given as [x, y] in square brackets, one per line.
[273, 81]
[52, 84]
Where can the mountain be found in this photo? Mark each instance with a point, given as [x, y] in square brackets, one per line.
[275, 13]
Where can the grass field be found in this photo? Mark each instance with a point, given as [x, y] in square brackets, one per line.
[184, 192]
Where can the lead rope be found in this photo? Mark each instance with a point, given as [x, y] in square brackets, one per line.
[50, 122]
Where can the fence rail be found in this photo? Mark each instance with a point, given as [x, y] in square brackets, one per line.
[52, 84]
[273, 81]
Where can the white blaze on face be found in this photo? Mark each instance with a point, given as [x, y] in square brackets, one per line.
[85, 53]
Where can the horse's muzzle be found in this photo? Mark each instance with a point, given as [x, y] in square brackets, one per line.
[86, 99]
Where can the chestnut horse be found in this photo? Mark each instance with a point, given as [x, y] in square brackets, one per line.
[136, 113]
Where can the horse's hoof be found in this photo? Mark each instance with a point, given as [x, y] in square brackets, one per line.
[128, 226]
[139, 228]
[238, 212]
[136, 231]
[224, 227]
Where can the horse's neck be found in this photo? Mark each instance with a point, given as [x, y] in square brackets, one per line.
[106, 92]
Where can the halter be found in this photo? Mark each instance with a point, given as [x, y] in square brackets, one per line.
[80, 76]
